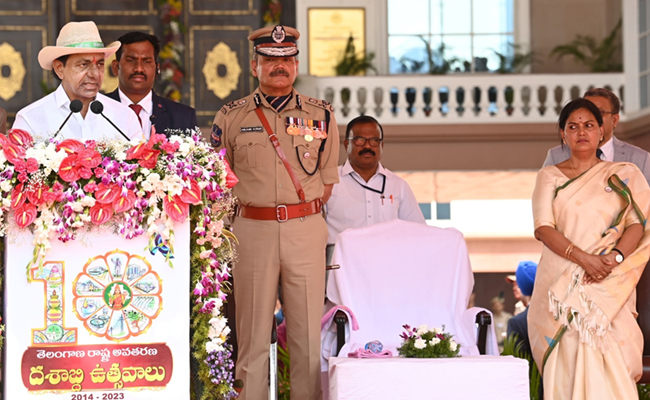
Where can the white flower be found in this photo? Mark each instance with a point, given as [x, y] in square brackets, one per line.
[436, 330]
[153, 178]
[77, 207]
[213, 346]
[453, 345]
[217, 305]
[172, 183]
[422, 329]
[153, 228]
[434, 341]
[120, 155]
[218, 324]
[176, 139]
[145, 171]
[184, 149]
[87, 201]
[420, 343]
[6, 185]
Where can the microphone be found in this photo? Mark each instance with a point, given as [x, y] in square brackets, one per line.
[75, 107]
[97, 107]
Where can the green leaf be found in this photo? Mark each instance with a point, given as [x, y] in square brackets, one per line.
[598, 56]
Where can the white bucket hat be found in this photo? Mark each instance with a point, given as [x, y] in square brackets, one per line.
[76, 38]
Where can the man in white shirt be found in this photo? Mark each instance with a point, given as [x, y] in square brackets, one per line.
[367, 193]
[78, 62]
[611, 148]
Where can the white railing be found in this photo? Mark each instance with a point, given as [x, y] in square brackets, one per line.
[456, 98]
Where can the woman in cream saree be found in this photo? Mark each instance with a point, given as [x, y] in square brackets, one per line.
[582, 316]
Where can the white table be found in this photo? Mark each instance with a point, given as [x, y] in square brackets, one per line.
[470, 377]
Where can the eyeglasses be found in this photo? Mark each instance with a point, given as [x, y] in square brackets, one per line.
[603, 112]
[360, 141]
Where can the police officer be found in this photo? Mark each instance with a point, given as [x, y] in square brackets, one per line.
[284, 148]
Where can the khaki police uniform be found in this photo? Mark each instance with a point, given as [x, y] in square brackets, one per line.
[269, 251]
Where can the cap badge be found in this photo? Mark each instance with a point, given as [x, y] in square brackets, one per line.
[278, 34]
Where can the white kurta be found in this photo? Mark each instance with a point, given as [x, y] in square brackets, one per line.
[353, 206]
[43, 118]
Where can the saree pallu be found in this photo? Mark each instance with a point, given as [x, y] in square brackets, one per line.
[585, 338]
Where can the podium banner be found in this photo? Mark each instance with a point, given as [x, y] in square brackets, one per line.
[104, 318]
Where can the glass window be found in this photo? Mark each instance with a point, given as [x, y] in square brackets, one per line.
[463, 35]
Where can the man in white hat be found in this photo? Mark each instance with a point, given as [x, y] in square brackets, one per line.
[78, 62]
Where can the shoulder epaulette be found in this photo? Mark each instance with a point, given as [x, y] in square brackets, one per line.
[232, 105]
[320, 103]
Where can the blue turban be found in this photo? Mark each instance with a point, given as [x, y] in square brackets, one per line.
[526, 277]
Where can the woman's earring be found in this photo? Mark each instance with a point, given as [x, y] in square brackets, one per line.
[601, 138]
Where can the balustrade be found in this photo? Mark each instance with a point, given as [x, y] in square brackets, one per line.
[456, 98]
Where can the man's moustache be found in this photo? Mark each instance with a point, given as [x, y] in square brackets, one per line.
[279, 72]
[138, 74]
[364, 151]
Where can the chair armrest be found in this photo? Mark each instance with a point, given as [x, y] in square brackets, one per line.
[478, 320]
[340, 319]
[483, 320]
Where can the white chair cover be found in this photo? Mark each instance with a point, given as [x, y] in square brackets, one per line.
[400, 272]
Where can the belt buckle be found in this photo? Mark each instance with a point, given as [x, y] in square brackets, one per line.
[278, 213]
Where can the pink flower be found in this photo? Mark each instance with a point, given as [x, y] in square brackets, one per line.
[175, 208]
[20, 137]
[149, 158]
[68, 170]
[18, 198]
[25, 215]
[89, 158]
[100, 213]
[90, 187]
[170, 147]
[85, 173]
[231, 178]
[13, 153]
[124, 202]
[205, 254]
[192, 195]
[135, 151]
[70, 146]
[37, 195]
[106, 194]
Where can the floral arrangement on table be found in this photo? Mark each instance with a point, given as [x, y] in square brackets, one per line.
[171, 53]
[60, 189]
[425, 342]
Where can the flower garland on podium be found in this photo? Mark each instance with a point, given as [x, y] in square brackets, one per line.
[58, 189]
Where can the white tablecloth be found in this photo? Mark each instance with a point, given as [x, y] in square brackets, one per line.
[470, 377]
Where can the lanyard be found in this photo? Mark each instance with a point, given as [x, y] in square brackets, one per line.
[383, 186]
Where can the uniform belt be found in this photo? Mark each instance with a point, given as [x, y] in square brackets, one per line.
[280, 213]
